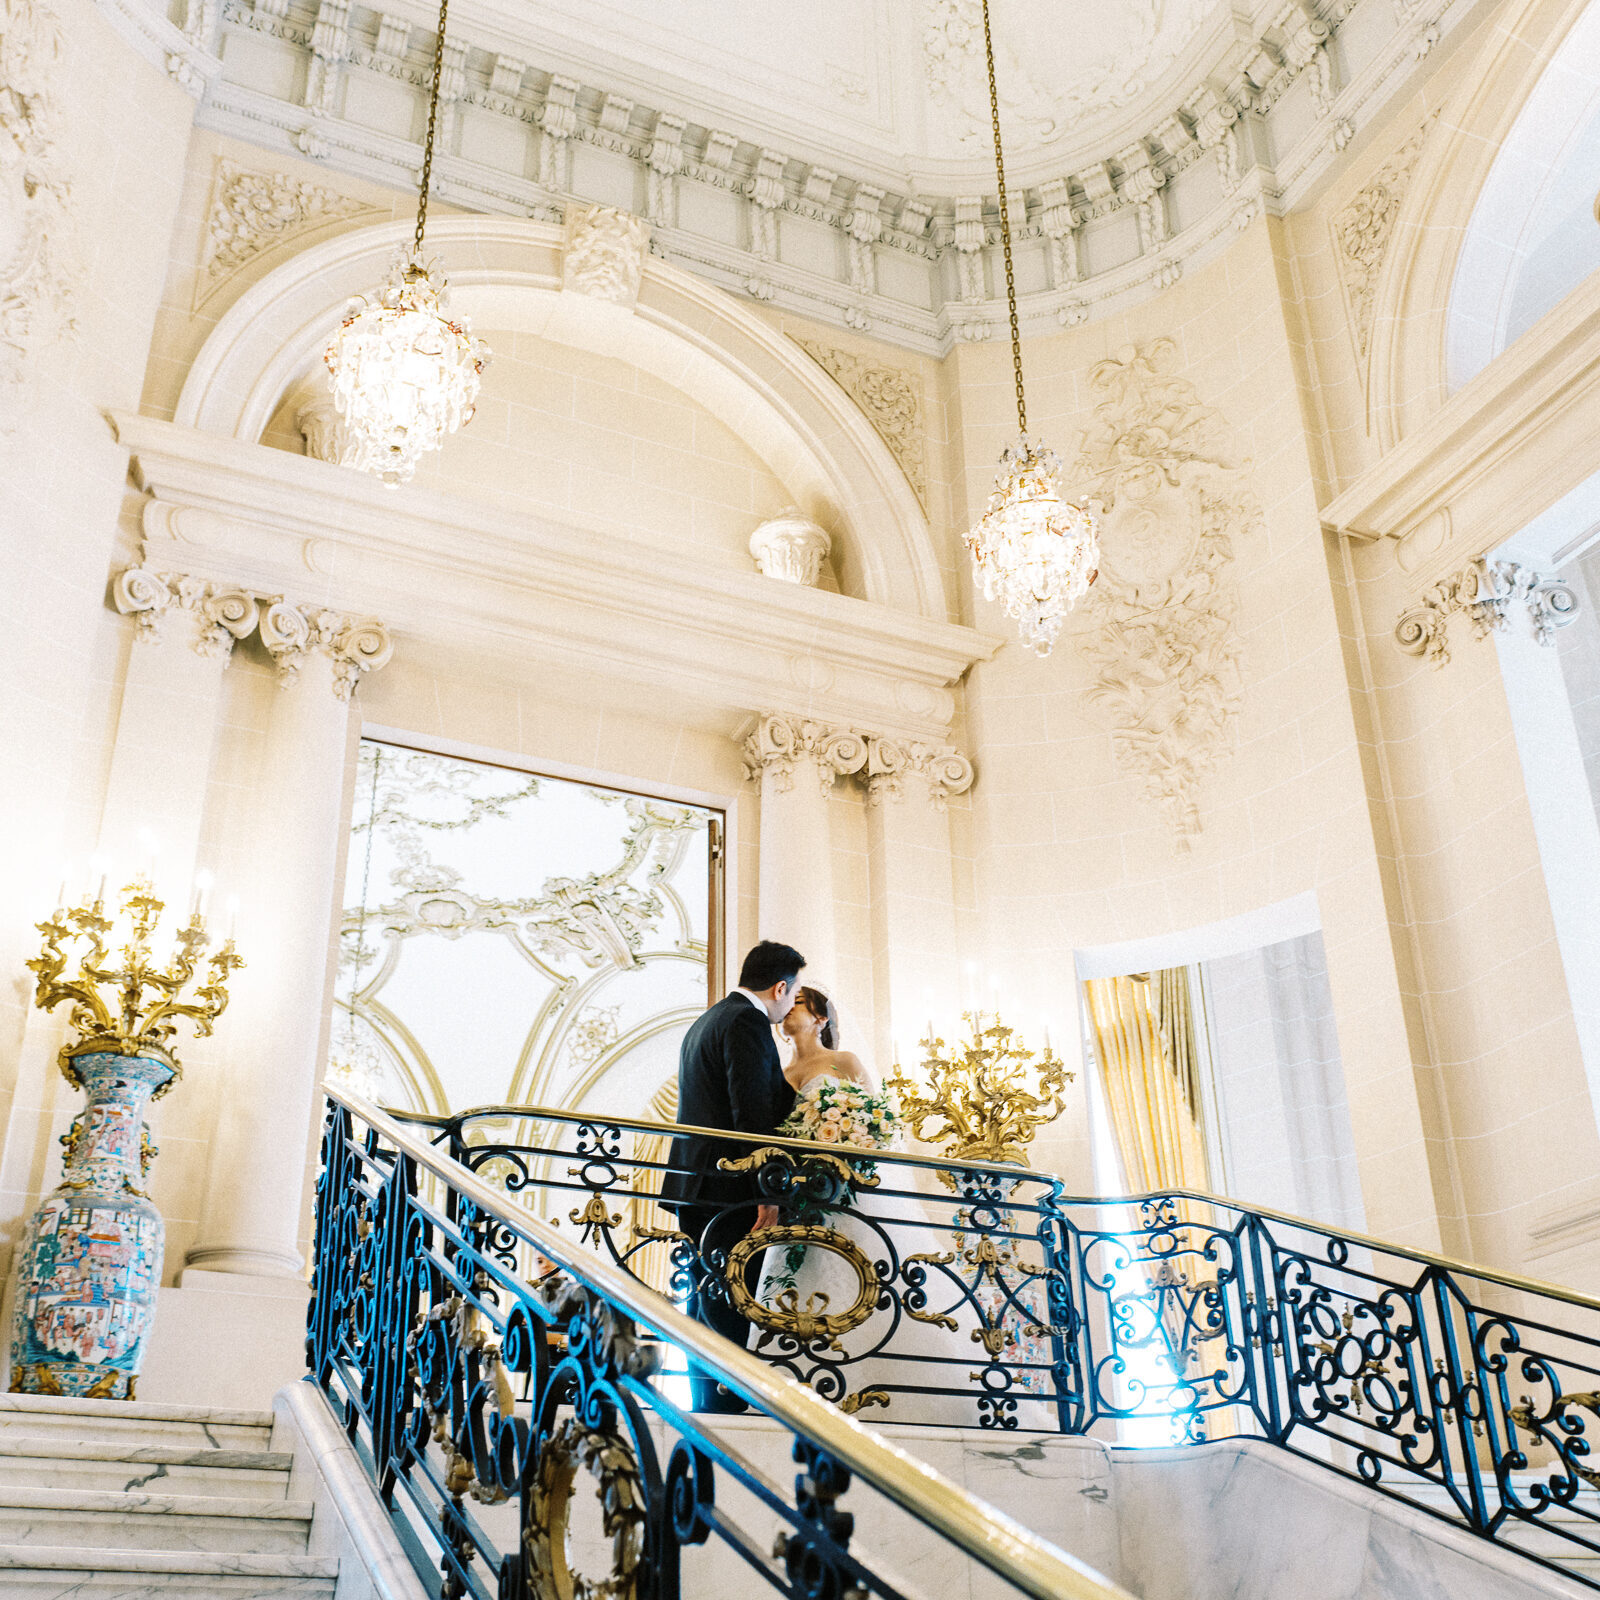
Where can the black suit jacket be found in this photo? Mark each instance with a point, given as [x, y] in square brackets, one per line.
[729, 1076]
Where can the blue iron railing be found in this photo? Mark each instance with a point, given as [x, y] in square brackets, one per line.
[484, 1361]
[981, 1295]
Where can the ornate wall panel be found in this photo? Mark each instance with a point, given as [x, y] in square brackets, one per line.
[1165, 645]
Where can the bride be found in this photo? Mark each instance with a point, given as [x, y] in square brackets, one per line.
[885, 1228]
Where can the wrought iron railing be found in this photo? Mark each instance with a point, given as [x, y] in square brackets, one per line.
[484, 1361]
[970, 1294]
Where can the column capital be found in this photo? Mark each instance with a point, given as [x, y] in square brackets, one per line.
[1484, 590]
[944, 769]
[355, 645]
[219, 613]
[778, 744]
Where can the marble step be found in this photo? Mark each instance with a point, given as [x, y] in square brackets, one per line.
[203, 1427]
[108, 1520]
[44, 1572]
[75, 1466]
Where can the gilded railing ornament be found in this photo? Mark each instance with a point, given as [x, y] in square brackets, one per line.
[90, 1261]
[981, 1099]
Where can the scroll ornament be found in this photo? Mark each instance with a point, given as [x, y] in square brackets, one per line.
[1166, 649]
[1485, 590]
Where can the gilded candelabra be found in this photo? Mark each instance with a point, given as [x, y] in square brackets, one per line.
[90, 1263]
[981, 1098]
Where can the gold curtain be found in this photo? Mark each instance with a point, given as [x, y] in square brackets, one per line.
[653, 1263]
[1145, 1038]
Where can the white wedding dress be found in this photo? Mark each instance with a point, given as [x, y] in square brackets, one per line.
[886, 1228]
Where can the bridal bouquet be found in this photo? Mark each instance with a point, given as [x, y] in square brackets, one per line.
[834, 1112]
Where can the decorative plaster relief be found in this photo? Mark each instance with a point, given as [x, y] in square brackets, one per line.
[1156, 32]
[254, 211]
[1484, 590]
[326, 434]
[355, 644]
[605, 251]
[889, 761]
[39, 263]
[780, 743]
[1166, 648]
[791, 547]
[890, 397]
[220, 615]
[1363, 227]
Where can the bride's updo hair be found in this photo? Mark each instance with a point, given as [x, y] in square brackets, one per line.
[821, 1007]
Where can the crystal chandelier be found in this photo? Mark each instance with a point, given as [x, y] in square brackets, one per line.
[1035, 551]
[404, 373]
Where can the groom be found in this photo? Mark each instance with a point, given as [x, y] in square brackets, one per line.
[729, 1076]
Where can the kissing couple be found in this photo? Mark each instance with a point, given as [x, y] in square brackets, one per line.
[730, 1076]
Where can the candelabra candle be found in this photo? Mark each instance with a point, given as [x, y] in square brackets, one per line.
[90, 1262]
[986, 1098]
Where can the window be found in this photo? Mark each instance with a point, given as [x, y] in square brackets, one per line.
[510, 938]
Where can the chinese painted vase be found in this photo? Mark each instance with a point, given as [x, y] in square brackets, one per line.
[90, 1264]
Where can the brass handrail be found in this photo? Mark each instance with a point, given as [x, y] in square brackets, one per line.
[1003, 1545]
[1508, 1280]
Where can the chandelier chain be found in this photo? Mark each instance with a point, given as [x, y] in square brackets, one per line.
[433, 117]
[1005, 225]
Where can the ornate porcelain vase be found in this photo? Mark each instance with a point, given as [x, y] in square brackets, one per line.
[90, 1263]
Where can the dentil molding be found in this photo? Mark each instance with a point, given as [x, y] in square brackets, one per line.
[1485, 591]
[779, 745]
[1251, 129]
[223, 613]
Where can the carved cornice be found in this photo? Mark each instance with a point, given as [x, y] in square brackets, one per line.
[1484, 590]
[222, 613]
[873, 209]
[790, 547]
[497, 583]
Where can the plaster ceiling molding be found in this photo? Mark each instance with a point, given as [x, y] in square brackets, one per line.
[604, 253]
[252, 212]
[1165, 645]
[40, 264]
[791, 548]
[891, 397]
[1362, 229]
[1485, 591]
[1117, 54]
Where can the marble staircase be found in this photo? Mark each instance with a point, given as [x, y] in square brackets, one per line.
[100, 1497]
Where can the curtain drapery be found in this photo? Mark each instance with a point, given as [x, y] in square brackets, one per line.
[1149, 1062]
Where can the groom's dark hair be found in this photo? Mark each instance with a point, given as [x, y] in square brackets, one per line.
[769, 963]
